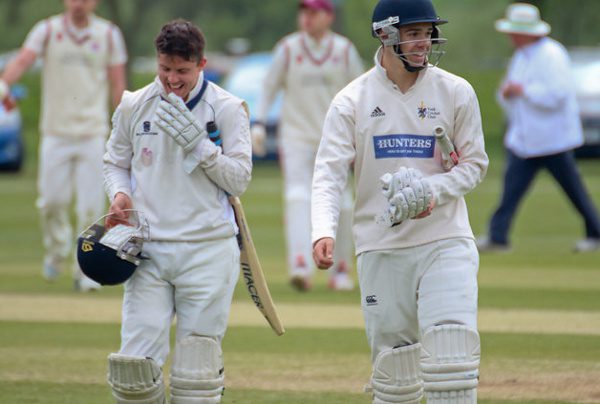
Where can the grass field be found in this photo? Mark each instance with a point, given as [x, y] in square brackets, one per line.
[539, 312]
[539, 305]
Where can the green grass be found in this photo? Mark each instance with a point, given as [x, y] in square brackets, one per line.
[49, 362]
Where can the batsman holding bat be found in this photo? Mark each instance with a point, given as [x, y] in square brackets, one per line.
[417, 268]
[161, 160]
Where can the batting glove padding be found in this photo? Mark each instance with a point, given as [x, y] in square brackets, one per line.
[408, 195]
[178, 122]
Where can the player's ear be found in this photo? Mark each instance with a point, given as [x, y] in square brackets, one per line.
[202, 63]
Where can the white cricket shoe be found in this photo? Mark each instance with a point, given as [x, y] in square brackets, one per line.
[300, 276]
[587, 245]
[51, 270]
[86, 284]
[341, 279]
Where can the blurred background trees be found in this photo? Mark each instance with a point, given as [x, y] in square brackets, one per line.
[473, 41]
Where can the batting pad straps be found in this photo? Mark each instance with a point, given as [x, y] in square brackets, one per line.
[396, 376]
[450, 364]
[197, 375]
[135, 379]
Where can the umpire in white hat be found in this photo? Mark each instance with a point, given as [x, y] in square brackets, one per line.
[538, 97]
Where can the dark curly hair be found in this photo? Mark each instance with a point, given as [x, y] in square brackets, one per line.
[181, 38]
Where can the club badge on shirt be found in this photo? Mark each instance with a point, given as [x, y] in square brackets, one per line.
[423, 111]
[146, 129]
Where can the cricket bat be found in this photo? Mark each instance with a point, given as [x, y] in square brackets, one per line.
[252, 271]
[449, 154]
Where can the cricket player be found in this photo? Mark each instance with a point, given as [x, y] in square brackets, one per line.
[310, 66]
[161, 161]
[417, 269]
[84, 62]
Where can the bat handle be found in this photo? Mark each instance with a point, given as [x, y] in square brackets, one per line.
[449, 154]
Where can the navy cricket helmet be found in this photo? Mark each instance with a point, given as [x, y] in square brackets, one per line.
[110, 257]
[405, 12]
[390, 15]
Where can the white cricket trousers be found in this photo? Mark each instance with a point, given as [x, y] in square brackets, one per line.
[405, 291]
[298, 162]
[68, 167]
[193, 281]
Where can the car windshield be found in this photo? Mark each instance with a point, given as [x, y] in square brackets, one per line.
[587, 78]
[246, 81]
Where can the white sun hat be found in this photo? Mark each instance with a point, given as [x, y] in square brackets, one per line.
[523, 18]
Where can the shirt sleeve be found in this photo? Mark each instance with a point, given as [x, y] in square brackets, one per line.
[332, 165]
[274, 80]
[36, 39]
[118, 54]
[119, 152]
[469, 143]
[231, 167]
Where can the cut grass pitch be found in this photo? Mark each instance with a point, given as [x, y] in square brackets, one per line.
[316, 365]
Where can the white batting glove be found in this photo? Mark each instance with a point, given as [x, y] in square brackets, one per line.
[408, 194]
[404, 177]
[4, 89]
[258, 133]
[178, 122]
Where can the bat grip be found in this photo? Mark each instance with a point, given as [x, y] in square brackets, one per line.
[446, 147]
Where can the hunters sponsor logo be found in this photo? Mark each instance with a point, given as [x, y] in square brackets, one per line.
[146, 130]
[371, 300]
[401, 145]
[423, 111]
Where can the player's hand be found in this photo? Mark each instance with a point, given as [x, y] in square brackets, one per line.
[118, 211]
[428, 210]
[4, 90]
[177, 121]
[258, 132]
[323, 252]
[512, 90]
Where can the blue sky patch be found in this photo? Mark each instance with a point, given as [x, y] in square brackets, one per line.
[401, 145]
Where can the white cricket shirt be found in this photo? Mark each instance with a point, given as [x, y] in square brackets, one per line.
[310, 73]
[75, 86]
[142, 161]
[374, 126]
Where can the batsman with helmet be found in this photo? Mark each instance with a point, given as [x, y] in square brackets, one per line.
[417, 260]
[161, 161]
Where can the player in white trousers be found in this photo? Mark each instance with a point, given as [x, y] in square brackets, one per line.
[84, 61]
[310, 66]
[161, 161]
[417, 260]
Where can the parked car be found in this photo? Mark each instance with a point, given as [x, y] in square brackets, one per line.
[245, 80]
[12, 149]
[586, 72]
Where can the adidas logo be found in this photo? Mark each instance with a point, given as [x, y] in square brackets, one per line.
[377, 112]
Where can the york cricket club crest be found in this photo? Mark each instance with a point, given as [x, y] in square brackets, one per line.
[422, 110]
